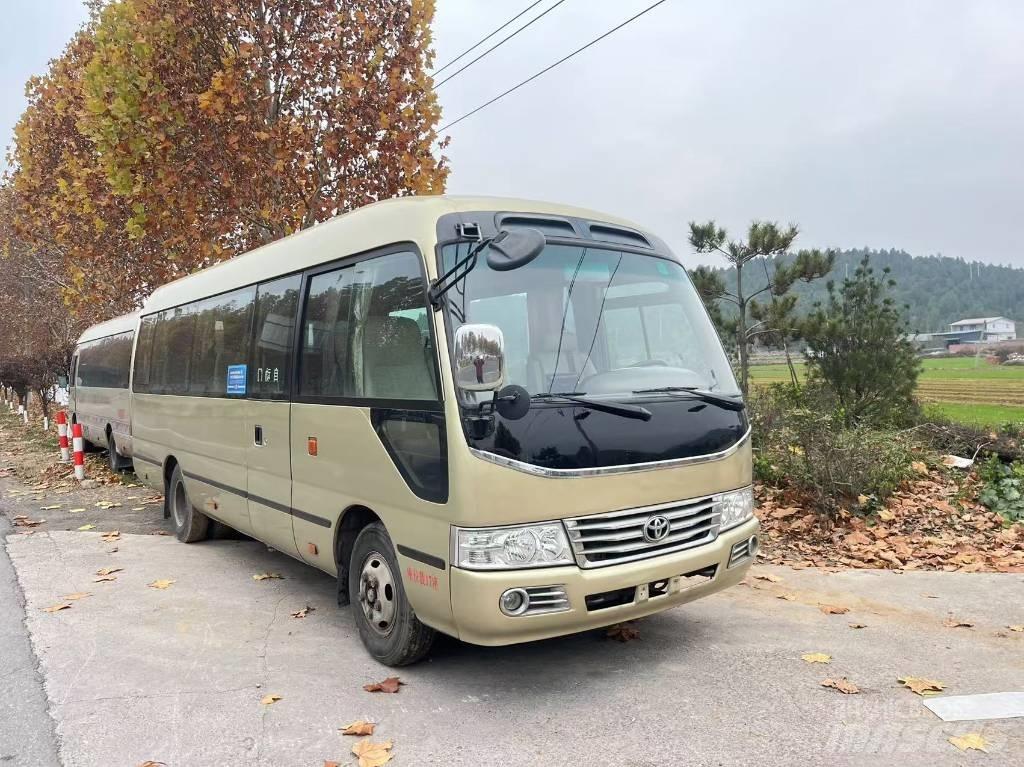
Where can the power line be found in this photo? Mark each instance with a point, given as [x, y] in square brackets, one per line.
[499, 44]
[482, 40]
[549, 68]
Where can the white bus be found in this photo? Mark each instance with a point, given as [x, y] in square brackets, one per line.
[98, 394]
[498, 419]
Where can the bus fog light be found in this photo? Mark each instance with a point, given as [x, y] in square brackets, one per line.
[737, 507]
[753, 546]
[514, 602]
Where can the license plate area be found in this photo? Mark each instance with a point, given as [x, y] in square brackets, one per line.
[652, 590]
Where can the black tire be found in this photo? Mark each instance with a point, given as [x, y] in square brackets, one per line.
[400, 639]
[190, 525]
[116, 462]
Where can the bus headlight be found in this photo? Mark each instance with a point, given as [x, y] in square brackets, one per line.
[511, 548]
[737, 507]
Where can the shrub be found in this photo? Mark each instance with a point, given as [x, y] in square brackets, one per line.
[1003, 488]
[801, 439]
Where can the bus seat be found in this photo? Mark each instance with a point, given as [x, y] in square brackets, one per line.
[394, 365]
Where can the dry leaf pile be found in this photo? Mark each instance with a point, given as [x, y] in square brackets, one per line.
[925, 526]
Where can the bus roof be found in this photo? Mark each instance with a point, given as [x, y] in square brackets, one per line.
[402, 219]
[121, 324]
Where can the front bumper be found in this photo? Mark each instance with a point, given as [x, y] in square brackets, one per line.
[479, 620]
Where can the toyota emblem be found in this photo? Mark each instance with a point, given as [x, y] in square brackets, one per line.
[656, 528]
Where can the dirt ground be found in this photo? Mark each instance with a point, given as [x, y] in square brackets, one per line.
[44, 493]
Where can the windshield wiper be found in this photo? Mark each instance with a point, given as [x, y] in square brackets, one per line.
[626, 411]
[711, 398]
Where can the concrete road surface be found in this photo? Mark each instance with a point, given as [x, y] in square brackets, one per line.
[134, 673]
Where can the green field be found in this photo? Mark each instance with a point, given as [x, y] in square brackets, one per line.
[963, 388]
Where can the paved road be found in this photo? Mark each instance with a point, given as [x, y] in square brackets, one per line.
[26, 730]
[176, 675]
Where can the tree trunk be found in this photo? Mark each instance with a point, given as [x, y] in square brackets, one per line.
[741, 330]
[789, 363]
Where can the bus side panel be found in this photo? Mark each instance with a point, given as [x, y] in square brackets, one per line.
[98, 407]
[207, 436]
[352, 468]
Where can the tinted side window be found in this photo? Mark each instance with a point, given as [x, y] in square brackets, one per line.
[144, 354]
[274, 326]
[220, 340]
[395, 358]
[104, 363]
[325, 368]
[173, 352]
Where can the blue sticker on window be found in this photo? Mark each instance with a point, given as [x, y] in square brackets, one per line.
[237, 376]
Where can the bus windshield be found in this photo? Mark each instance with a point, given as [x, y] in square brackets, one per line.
[591, 320]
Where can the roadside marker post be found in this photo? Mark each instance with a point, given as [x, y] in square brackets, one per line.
[76, 438]
[62, 436]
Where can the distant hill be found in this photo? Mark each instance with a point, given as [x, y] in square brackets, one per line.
[936, 290]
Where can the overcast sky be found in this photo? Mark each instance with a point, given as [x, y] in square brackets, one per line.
[884, 123]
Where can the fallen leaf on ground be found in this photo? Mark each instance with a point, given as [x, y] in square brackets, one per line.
[139, 508]
[886, 516]
[303, 613]
[787, 597]
[75, 511]
[50, 508]
[857, 626]
[160, 584]
[372, 754]
[113, 535]
[971, 740]
[266, 576]
[919, 466]
[331, 764]
[87, 527]
[842, 684]
[953, 623]
[56, 608]
[358, 728]
[622, 632]
[266, 700]
[768, 577]
[104, 578]
[930, 596]
[1016, 628]
[151, 763]
[107, 505]
[921, 686]
[108, 570]
[23, 521]
[391, 684]
[833, 609]
[816, 657]
[78, 595]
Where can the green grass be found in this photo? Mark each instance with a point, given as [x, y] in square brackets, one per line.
[973, 394]
[979, 414]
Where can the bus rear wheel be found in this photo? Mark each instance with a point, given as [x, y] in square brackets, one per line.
[190, 525]
[387, 624]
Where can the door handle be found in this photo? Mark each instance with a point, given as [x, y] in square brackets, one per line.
[257, 437]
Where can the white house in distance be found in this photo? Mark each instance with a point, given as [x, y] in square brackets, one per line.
[985, 329]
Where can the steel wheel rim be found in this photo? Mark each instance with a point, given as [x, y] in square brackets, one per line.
[378, 594]
[179, 504]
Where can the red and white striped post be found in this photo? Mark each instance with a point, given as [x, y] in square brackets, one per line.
[62, 436]
[77, 443]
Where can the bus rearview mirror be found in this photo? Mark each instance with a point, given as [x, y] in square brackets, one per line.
[479, 357]
[513, 248]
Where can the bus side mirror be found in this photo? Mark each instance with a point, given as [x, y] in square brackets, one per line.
[479, 357]
[514, 248]
[62, 381]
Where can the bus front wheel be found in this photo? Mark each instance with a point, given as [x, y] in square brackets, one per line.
[190, 525]
[387, 624]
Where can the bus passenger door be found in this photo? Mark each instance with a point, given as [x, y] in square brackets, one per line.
[268, 450]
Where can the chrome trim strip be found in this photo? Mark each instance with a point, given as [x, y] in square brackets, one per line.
[600, 471]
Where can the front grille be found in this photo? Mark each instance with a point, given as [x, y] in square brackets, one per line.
[600, 540]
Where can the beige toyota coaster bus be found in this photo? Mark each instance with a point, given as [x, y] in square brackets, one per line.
[98, 396]
[498, 419]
